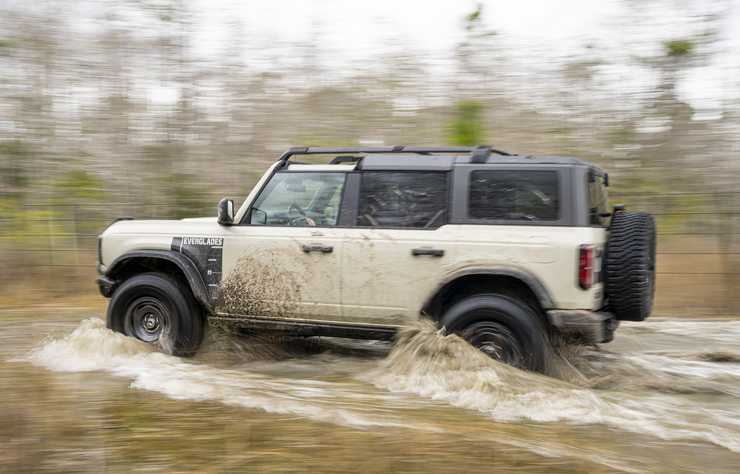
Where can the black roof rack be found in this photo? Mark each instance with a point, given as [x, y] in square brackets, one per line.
[479, 154]
[338, 160]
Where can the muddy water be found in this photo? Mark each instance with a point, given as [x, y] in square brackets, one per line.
[664, 397]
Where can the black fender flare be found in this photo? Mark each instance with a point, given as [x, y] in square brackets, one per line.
[185, 264]
[526, 277]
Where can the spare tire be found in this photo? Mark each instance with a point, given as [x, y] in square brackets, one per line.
[629, 266]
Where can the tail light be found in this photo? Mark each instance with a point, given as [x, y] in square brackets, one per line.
[586, 266]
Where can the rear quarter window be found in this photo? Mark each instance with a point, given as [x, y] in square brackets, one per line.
[509, 195]
[598, 200]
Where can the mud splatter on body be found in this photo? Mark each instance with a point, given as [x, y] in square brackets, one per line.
[257, 289]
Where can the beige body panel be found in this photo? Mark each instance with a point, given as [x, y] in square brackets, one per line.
[272, 263]
[383, 282]
[370, 276]
[128, 236]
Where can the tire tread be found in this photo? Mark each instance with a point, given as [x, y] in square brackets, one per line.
[629, 279]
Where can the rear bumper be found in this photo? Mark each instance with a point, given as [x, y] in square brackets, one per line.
[587, 326]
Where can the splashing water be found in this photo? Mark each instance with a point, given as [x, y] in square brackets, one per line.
[93, 347]
[444, 367]
[636, 392]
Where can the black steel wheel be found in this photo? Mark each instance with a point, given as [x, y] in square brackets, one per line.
[496, 341]
[147, 319]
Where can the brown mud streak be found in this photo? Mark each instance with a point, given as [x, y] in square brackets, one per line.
[257, 289]
[719, 357]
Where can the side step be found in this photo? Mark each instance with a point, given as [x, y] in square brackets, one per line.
[308, 327]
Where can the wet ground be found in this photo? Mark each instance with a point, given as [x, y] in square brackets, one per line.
[664, 397]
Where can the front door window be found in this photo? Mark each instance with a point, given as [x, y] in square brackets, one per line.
[300, 199]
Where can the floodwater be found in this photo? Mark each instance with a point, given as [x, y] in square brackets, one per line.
[664, 397]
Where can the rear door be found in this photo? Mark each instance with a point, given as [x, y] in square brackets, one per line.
[396, 246]
[284, 260]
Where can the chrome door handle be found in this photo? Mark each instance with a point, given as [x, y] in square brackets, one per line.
[427, 251]
[308, 248]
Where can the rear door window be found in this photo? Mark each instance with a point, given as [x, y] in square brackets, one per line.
[506, 195]
[402, 199]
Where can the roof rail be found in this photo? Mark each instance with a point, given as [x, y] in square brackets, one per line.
[481, 152]
[345, 159]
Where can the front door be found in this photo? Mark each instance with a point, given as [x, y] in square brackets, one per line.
[285, 260]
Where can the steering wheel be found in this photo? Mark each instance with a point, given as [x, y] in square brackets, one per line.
[301, 219]
[295, 208]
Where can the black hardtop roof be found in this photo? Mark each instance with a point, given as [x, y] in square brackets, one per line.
[429, 158]
[391, 161]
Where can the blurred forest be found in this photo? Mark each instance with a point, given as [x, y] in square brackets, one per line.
[122, 120]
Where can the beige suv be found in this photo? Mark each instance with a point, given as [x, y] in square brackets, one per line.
[503, 249]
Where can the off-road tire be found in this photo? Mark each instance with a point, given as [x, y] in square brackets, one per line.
[629, 266]
[511, 325]
[160, 297]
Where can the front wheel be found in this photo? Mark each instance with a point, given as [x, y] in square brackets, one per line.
[501, 327]
[155, 308]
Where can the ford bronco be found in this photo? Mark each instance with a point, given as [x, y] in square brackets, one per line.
[504, 250]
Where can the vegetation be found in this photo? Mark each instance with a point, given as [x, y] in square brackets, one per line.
[474, 17]
[116, 123]
[467, 126]
[677, 48]
[14, 176]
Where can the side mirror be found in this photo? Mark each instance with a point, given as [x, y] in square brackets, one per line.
[226, 212]
[258, 216]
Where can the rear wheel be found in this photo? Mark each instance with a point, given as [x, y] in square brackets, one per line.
[157, 309]
[503, 328]
[496, 341]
